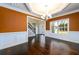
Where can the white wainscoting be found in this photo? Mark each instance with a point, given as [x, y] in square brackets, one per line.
[10, 39]
[72, 36]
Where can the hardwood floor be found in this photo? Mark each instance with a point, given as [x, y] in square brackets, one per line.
[33, 47]
[52, 47]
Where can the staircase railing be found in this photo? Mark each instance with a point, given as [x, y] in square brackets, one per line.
[32, 27]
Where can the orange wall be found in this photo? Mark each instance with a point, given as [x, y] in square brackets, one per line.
[73, 21]
[12, 21]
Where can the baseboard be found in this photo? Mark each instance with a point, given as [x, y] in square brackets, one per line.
[72, 45]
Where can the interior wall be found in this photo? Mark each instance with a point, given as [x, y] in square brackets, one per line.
[73, 21]
[72, 36]
[73, 33]
[13, 28]
[12, 21]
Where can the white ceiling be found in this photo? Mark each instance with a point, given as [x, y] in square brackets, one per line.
[70, 7]
[46, 8]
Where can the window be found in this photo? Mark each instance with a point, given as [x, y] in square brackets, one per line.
[60, 26]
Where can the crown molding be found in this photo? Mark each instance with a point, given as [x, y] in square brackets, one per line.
[74, 11]
[18, 10]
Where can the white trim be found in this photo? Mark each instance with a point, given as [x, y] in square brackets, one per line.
[66, 13]
[34, 18]
[72, 36]
[57, 22]
[13, 8]
[29, 7]
[17, 9]
[32, 34]
[10, 39]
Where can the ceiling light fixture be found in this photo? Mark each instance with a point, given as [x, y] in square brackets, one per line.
[47, 8]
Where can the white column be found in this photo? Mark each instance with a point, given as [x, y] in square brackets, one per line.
[41, 32]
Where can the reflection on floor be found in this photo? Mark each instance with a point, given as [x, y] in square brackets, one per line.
[33, 47]
[52, 47]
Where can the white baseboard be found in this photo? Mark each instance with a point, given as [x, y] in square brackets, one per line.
[12, 39]
[72, 36]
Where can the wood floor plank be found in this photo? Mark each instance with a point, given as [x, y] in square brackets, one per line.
[52, 47]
